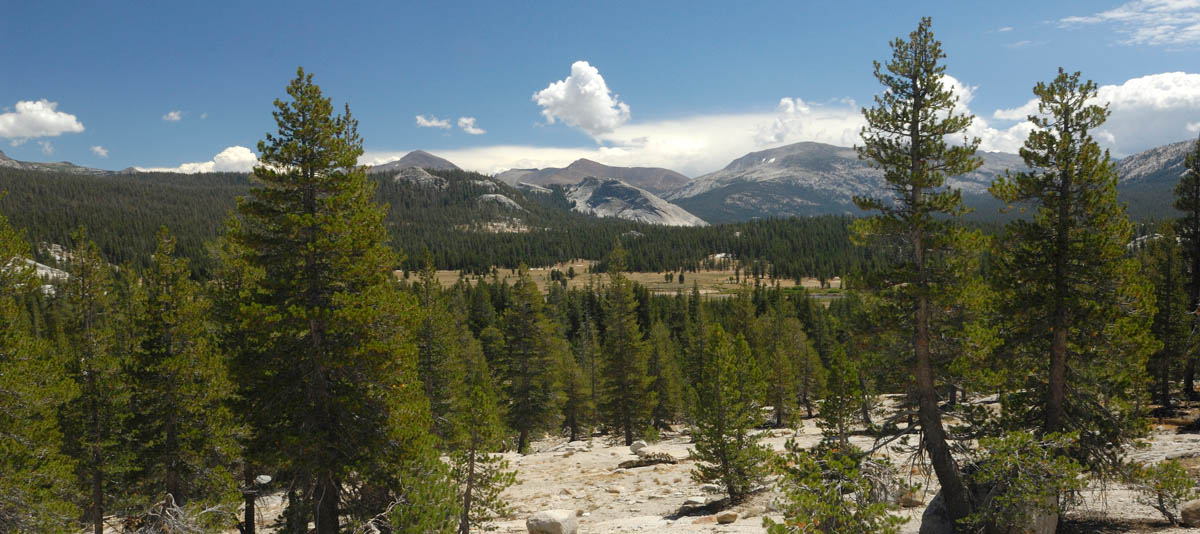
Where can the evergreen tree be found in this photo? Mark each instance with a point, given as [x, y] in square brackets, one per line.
[476, 432]
[1172, 316]
[726, 413]
[906, 137]
[530, 357]
[436, 343]
[1077, 314]
[93, 420]
[663, 368]
[795, 348]
[336, 369]
[628, 401]
[180, 423]
[1187, 200]
[35, 479]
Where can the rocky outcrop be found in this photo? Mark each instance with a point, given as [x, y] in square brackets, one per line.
[613, 198]
[553, 522]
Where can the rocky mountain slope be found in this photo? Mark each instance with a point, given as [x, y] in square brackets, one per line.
[613, 198]
[415, 159]
[805, 179]
[653, 179]
[61, 166]
[1159, 164]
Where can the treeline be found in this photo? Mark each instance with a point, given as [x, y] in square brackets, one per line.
[123, 211]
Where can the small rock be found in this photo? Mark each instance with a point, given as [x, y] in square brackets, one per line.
[552, 522]
[705, 519]
[710, 488]
[695, 501]
[637, 446]
[615, 490]
[1190, 513]
[727, 517]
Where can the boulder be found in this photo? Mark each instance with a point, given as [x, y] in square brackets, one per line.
[911, 499]
[695, 501]
[727, 517]
[637, 446]
[936, 520]
[1189, 513]
[711, 488]
[552, 522]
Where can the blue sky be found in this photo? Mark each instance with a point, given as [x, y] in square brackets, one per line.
[687, 85]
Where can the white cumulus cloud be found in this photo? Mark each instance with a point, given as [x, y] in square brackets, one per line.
[232, 159]
[100, 151]
[39, 118]
[1148, 22]
[583, 100]
[1145, 112]
[432, 122]
[468, 125]
[173, 116]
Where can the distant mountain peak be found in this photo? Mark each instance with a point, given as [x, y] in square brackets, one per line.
[653, 179]
[608, 197]
[416, 159]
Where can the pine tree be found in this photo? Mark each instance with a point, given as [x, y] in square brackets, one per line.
[663, 368]
[180, 423]
[1187, 200]
[92, 421]
[906, 137]
[727, 411]
[35, 478]
[627, 401]
[336, 370]
[1078, 315]
[476, 432]
[1163, 261]
[530, 356]
[436, 343]
[796, 349]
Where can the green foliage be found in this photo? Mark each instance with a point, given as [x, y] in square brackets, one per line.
[834, 491]
[1173, 321]
[180, 425]
[1164, 486]
[93, 421]
[335, 365]
[667, 382]
[628, 399]
[477, 431]
[531, 350]
[437, 341]
[1075, 311]
[1187, 200]
[36, 478]
[907, 137]
[727, 411]
[1020, 475]
[842, 398]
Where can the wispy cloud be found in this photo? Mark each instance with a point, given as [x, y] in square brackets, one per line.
[1148, 22]
[468, 125]
[173, 116]
[100, 151]
[47, 147]
[432, 122]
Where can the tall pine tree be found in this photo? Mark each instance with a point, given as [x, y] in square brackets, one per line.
[92, 422]
[35, 478]
[628, 401]
[1187, 200]
[906, 136]
[181, 425]
[336, 370]
[1078, 313]
[530, 357]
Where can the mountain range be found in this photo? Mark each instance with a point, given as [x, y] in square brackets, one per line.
[653, 179]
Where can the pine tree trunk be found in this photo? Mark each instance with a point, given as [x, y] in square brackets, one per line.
[97, 498]
[464, 520]
[327, 494]
[1060, 323]
[249, 494]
